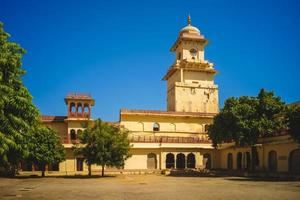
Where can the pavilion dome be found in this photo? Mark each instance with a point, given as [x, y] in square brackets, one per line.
[189, 28]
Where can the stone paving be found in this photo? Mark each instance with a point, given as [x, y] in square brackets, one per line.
[147, 187]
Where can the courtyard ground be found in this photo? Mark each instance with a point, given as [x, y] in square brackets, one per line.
[147, 187]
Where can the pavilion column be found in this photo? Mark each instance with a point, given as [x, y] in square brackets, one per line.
[68, 137]
[76, 107]
[69, 109]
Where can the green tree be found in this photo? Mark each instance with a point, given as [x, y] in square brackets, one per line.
[293, 121]
[17, 113]
[104, 145]
[245, 119]
[45, 148]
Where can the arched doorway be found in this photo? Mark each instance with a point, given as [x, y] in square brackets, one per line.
[207, 157]
[151, 161]
[294, 161]
[247, 160]
[272, 161]
[180, 161]
[170, 161]
[239, 157]
[191, 161]
[229, 161]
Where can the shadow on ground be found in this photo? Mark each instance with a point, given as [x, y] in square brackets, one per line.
[63, 177]
[234, 176]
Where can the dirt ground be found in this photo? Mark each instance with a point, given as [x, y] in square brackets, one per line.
[147, 187]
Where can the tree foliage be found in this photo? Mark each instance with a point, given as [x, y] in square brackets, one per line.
[17, 113]
[45, 148]
[243, 120]
[293, 120]
[104, 145]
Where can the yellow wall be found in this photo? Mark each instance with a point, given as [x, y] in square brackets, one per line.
[169, 126]
[139, 156]
[60, 127]
[283, 151]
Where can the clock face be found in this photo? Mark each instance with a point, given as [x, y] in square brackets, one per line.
[193, 52]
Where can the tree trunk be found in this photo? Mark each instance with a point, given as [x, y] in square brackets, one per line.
[43, 170]
[90, 169]
[11, 170]
[103, 170]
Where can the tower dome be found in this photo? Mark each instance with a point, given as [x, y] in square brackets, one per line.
[189, 28]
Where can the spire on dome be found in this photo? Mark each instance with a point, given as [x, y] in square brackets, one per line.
[189, 20]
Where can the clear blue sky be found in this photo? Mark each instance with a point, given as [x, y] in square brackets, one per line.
[119, 50]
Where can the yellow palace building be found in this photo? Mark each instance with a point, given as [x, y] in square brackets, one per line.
[176, 138]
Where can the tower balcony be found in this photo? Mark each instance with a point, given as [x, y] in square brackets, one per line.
[79, 115]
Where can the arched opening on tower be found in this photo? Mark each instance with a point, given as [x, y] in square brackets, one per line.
[86, 109]
[79, 108]
[72, 108]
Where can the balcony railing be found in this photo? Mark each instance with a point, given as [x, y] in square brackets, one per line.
[168, 139]
[79, 115]
[156, 139]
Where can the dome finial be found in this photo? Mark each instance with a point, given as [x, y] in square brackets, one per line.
[189, 20]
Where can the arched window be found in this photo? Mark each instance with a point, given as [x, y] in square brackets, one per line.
[207, 160]
[156, 126]
[173, 127]
[72, 108]
[272, 161]
[229, 161]
[73, 134]
[191, 161]
[140, 126]
[294, 161]
[151, 161]
[205, 127]
[239, 158]
[180, 161]
[170, 161]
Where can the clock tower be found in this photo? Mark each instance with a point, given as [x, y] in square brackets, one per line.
[190, 80]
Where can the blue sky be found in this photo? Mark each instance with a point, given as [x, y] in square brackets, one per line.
[119, 50]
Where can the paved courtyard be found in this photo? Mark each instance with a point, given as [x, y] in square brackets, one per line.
[147, 187]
